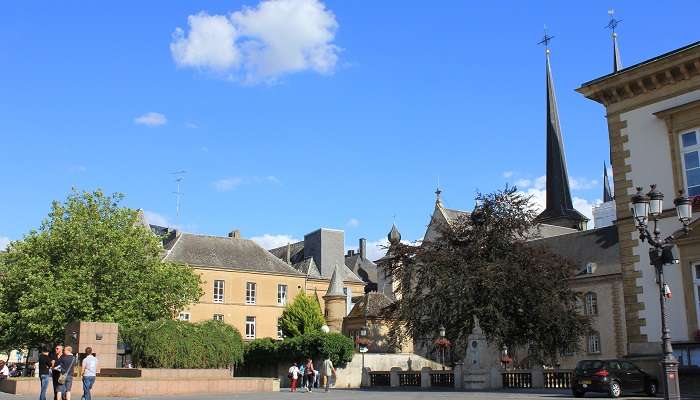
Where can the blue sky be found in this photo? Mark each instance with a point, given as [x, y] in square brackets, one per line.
[295, 114]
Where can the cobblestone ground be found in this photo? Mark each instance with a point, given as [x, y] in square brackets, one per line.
[363, 394]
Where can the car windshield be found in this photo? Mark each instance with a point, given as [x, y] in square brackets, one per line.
[589, 364]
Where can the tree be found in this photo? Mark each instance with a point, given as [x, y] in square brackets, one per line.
[90, 260]
[483, 265]
[303, 315]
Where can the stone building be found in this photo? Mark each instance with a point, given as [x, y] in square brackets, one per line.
[248, 287]
[653, 115]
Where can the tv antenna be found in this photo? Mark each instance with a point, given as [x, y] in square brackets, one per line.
[179, 176]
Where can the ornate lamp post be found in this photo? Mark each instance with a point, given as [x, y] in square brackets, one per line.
[644, 208]
[442, 346]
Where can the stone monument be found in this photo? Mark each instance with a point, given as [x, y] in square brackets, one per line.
[102, 337]
[480, 359]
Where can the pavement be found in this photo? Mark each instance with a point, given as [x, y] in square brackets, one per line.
[367, 395]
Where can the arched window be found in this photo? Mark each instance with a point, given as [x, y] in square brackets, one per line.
[590, 304]
[593, 342]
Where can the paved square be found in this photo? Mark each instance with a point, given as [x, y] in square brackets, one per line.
[367, 395]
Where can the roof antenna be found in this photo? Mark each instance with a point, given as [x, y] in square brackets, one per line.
[179, 176]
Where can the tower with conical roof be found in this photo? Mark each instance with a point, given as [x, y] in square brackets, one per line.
[605, 214]
[334, 300]
[559, 210]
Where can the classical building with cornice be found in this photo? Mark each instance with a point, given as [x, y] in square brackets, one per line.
[653, 114]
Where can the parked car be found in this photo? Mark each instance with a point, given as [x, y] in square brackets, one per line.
[613, 377]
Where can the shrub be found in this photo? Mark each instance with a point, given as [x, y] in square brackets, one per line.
[180, 344]
[303, 315]
[337, 347]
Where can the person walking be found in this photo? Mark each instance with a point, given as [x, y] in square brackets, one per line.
[89, 373]
[293, 376]
[302, 376]
[66, 367]
[44, 367]
[310, 372]
[327, 370]
[4, 371]
[55, 357]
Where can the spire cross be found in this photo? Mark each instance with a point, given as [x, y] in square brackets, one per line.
[613, 22]
[545, 40]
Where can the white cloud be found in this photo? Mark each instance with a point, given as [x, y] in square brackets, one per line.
[231, 183]
[582, 183]
[154, 218]
[268, 241]
[585, 207]
[191, 125]
[523, 183]
[4, 242]
[210, 43]
[507, 174]
[260, 43]
[353, 223]
[151, 119]
[539, 202]
[228, 184]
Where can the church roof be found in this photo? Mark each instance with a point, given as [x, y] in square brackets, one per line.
[599, 246]
[559, 209]
[307, 267]
[225, 252]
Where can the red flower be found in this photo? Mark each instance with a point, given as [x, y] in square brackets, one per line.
[363, 341]
[443, 342]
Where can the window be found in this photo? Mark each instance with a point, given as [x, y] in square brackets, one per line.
[219, 317]
[590, 304]
[184, 316]
[218, 291]
[593, 342]
[250, 327]
[280, 333]
[696, 288]
[590, 268]
[281, 294]
[691, 162]
[250, 293]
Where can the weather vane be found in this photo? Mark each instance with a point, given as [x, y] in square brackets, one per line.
[613, 22]
[546, 39]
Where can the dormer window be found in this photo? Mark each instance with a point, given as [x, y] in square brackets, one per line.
[590, 268]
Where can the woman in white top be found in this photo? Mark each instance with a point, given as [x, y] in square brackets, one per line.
[294, 376]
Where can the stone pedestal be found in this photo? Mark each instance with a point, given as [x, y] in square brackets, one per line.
[479, 360]
[425, 377]
[394, 376]
[459, 375]
[537, 377]
[102, 337]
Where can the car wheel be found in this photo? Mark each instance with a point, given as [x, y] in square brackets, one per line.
[578, 393]
[615, 389]
[651, 389]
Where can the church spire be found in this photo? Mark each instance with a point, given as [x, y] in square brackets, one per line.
[607, 193]
[559, 210]
[617, 61]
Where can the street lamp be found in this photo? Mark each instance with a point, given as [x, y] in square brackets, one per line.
[660, 254]
[441, 330]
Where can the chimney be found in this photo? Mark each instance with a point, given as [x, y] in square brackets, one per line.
[235, 234]
[351, 253]
[363, 248]
[289, 253]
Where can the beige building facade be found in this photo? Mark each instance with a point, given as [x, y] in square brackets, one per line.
[653, 114]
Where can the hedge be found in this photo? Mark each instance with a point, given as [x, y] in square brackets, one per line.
[338, 347]
[180, 344]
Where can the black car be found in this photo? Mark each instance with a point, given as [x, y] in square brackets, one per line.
[613, 377]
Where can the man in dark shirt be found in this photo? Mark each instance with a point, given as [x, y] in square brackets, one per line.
[55, 356]
[66, 365]
[45, 363]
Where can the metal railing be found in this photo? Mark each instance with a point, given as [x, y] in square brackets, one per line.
[517, 380]
[379, 378]
[558, 379]
[442, 379]
[409, 378]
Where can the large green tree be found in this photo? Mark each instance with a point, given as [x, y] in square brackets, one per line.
[486, 265]
[303, 315]
[91, 260]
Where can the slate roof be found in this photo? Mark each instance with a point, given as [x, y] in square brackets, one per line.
[304, 264]
[364, 268]
[335, 288]
[600, 246]
[225, 252]
[376, 303]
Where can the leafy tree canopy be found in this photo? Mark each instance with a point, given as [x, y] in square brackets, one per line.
[303, 315]
[90, 260]
[339, 348]
[484, 265]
